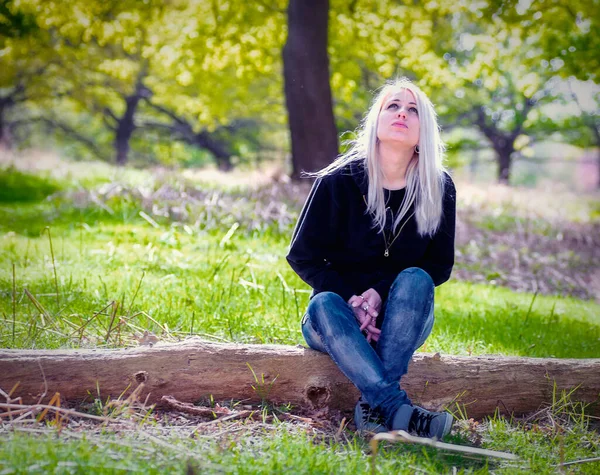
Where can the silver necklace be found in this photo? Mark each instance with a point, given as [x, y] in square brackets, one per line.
[386, 253]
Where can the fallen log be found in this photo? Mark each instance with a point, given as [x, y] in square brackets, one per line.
[195, 369]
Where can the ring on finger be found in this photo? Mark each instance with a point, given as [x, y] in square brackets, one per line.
[366, 307]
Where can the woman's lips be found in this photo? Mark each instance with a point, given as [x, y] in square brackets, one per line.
[399, 124]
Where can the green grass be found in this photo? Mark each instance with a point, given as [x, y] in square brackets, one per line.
[560, 435]
[16, 186]
[193, 280]
[279, 451]
[110, 273]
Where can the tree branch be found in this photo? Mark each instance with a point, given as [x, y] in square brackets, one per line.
[56, 124]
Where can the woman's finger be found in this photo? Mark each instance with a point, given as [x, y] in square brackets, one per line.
[369, 308]
[371, 328]
[372, 298]
[355, 301]
[365, 321]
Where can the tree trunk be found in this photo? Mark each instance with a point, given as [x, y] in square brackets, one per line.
[220, 150]
[224, 163]
[122, 145]
[194, 369]
[307, 89]
[125, 128]
[5, 135]
[504, 150]
[502, 142]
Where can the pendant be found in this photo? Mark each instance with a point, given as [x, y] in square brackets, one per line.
[386, 253]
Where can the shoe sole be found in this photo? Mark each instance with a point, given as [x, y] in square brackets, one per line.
[447, 424]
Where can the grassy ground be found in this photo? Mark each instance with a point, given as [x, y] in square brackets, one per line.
[100, 260]
[170, 442]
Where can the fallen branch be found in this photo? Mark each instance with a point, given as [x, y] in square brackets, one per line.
[576, 462]
[60, 410]
[475, 386]
[402, 436]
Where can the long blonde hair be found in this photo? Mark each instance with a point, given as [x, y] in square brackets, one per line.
[425, 171]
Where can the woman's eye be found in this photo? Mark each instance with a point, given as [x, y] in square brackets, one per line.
[393, 105]
[414, 109]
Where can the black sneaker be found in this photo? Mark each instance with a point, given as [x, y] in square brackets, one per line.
[421, 422]
[368, 419]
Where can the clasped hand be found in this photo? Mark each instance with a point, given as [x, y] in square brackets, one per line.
[366, 307]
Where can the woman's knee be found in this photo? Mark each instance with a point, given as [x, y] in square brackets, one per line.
[311, 336]
[324, 301]
[322, 318]
[327, 307]
[415, 279]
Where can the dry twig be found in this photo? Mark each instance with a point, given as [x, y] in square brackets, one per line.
[402, 436]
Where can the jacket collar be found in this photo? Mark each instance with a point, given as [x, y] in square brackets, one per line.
[359, 174]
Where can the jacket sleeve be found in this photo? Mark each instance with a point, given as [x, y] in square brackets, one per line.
[439, 256]
[313, 238]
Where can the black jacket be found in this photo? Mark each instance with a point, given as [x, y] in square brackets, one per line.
[335, 247]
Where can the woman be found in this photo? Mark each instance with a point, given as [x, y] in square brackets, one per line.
[375, 235]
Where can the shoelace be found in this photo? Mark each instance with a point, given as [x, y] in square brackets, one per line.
[368, 414]
[420, 422]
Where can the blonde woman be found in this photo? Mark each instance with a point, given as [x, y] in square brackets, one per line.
[375, 236]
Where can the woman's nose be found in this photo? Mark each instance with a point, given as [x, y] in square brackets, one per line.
[401, 113]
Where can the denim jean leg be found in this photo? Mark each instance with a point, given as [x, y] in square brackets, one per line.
[426, 328]
[332, 320]
[407, 321]
[311, 336]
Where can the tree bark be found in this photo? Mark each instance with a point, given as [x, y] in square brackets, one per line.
[503, 142]
[5, 136]
[6, 103]
[125, 128]
[220, 150]
[194, 369]
[125, 125]
[504, 154]
[307, 89]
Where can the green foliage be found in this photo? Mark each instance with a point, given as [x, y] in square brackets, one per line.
[568, 33]
[16, 186]
[202, 67]
[181, 68]
[14, 24]
[456, 146]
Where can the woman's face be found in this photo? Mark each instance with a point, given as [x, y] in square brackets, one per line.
[398, 121]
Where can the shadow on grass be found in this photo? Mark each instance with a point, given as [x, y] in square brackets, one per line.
[19, 187]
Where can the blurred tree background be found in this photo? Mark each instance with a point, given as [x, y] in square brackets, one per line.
[230, 83]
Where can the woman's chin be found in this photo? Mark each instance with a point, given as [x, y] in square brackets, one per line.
[398, 141]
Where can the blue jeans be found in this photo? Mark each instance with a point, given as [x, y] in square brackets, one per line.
[330, 326]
